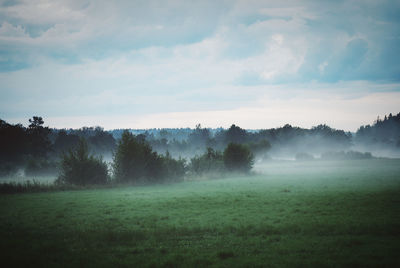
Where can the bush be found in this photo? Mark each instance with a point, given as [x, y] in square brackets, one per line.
[238, 157]
[210, 162]
[80, 168]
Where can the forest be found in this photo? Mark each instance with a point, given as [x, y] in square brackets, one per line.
[170, 154]
[38, 149]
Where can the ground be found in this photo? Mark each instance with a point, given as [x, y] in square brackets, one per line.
[302, 214]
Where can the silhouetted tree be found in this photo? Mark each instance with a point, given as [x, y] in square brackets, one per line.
[65, 141]
[39, 143]
[13, 147]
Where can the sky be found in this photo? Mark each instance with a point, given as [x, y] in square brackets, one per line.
[157, 64]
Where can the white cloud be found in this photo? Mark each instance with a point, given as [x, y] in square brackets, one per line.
[168, 57]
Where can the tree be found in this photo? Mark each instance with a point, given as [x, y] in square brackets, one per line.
[210, 162]
[38, 137]
[235, 134]
[238, 157]
[80, 168]
[134, 160]
[64, 141]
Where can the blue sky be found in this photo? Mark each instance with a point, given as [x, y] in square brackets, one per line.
[143, 64]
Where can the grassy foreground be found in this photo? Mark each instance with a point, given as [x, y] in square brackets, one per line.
[317, 214]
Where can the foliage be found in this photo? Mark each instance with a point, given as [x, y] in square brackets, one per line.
[238, 157]
[80, 168]
[38, 137]
[235, 134]
[385, 132]
[259, 147]
[210, 162]
[134, 161]
[65, 141]
[13, 144]
[199, 136]
[173, 169]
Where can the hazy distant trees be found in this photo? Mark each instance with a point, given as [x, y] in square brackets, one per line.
[64, 141]
[154, 155]
[235, 158]
[235, 134]
[383, 133]
[200, 137]
[80, 168]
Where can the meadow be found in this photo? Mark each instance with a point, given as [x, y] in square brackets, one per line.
[288, 213]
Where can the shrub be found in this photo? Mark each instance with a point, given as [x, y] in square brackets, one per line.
[80, 168]
[238, 157]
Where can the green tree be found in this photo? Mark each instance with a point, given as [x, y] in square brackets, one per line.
[210, 161]
[238, 157]
[134, 160]
[80, 168]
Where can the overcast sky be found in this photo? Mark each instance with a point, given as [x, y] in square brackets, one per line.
[143, 64]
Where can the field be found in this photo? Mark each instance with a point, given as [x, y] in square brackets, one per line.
[317, 213]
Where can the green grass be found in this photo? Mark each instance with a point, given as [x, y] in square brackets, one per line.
[321, 214]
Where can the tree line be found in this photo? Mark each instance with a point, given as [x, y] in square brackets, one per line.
[38, 149]
[134, 161]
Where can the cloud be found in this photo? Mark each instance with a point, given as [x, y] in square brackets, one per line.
[91, 58]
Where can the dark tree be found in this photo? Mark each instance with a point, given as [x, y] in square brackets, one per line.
[210, 162]
[134, 160]
[38, 138]
[238, 157]
[65, 141]
[235, 134]
[13, 147]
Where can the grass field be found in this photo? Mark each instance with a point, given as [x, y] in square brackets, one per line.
[302, 214]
